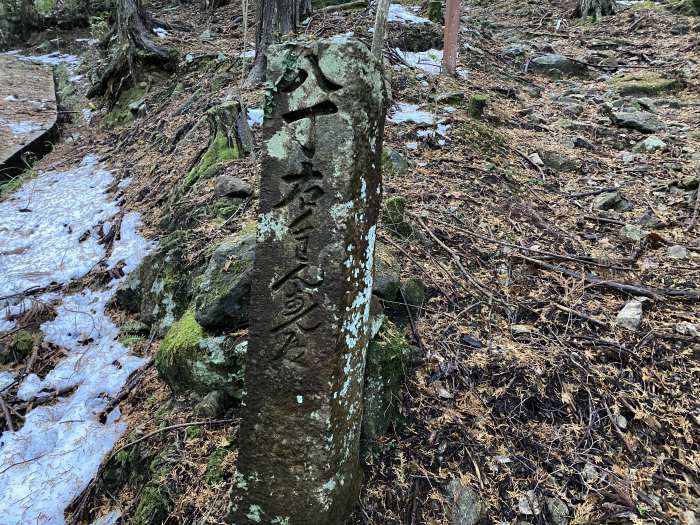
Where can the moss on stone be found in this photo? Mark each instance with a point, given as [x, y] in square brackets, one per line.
[220, 150]
[393, 162]
[226, 207]
[194, 432]
[394, 217]
[120, 114]
[644, 83]
[216, 466]
[130, 340]
[154, 505]
[389, 356]
[477, 105]
[177, 350]
[481, 137]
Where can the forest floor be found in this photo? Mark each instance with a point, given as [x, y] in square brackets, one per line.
[532, 226]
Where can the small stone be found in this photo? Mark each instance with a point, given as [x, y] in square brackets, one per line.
[206, 35]
[211, 405]
[690, 329]
[558, 161]
[228, 186]
[516, 49]
[582, 142]
[452, 97]
[632, 232]
[557, 511]
[522, 329]
[464, 504]
[609, 62]
[393, 161]
[639, 120]
[678, 252]
[536, 159]
[649, 145]
[607, 201]
[554, 63]
[630, 317]
[620, 421]
[529, 504]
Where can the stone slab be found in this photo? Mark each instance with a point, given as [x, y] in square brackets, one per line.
[28, 111]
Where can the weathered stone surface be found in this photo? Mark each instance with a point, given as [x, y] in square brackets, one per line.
[464, 504]
[27, 111]
[228, 186]
[161, 289]
[224, 290]
[387, 272]
[630, 317]
[558, 64]
[190, 361]
[389, 357]
[649, 145]
[312, 282]
[640, 120]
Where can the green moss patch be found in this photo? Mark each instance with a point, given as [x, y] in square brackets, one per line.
[20, 345]
[481, 137]
[644, 83]
[120, 114]
[220, 150]
[154, 505]
[395, 218]
[178, 349]
[218, 468]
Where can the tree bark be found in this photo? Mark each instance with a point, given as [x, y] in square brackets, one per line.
[28, 18]
[451, 36]
[595, 8]
[134, 29]
[274, 18]
[379, 27]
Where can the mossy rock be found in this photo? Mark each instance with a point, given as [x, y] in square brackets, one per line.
[154, 506]
[224, 290]
[226, 207]
[394, 162]
[189, 361]
[477, 106]
[218, 469]
[389, 357]
[480, 137]
[414, 37]
[644, 83]
[414, 293]
[387, 272]
[20, 345]
[686, 7]
[161, 289]
[221, 149]
[121, 114]
[394, 217]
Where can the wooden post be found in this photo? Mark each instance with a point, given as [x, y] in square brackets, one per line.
[451, 36]
[379, 26]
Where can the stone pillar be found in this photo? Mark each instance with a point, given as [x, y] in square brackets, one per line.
[312, 284]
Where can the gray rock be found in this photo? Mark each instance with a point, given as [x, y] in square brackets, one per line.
[639, 120]
[212, 405]
[516, 49]
[678, 252]
[228, 186]
[559, 162]
[630, 317]
[206, 35]
[536, 159]
[557, 511]
[190, 361]
[649, 145]
[414, 37]
[464, 504]
[387, 272]
[389, 357]
[632, 232]
[224, 291]
[393, 161]
[558, 64]
[607, 201]
[582, 142]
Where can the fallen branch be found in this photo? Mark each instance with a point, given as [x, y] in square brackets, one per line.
[583, 316]
[653, 293]
[6, 413]
[359, 4]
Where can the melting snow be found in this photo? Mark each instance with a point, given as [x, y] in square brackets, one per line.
[161, 32]
[429, 61]
[53, 59]
[24, 127]
[398, 13]
[47, 463]
[410, 113]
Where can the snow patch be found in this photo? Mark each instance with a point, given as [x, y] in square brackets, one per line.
[410, 113]
[398, 13]
[255, 117]
[429, 61]
[50, 461]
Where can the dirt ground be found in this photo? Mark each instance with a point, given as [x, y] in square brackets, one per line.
[529, 391]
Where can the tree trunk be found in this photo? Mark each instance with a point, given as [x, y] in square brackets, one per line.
[28, 18]
[595, 8]
[451, 36]
[379, 26]
[134, 28]
[274, 18]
